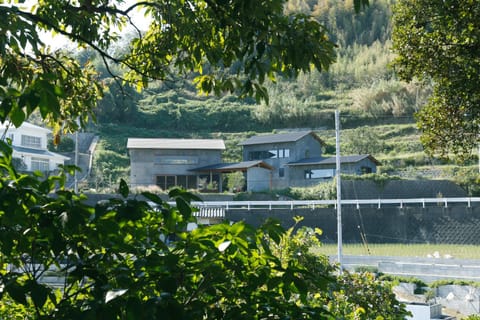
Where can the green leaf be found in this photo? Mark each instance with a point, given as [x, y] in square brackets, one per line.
[17, 116]
[184, 207]
[123, 189]
[39, 293]
[5, 108]
[152, 197]
[17, 292]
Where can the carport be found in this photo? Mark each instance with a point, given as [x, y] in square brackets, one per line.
[244, 166]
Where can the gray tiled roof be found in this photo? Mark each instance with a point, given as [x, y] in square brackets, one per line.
[332, 160]
[237, 166]
[278, 138]
[154, 143]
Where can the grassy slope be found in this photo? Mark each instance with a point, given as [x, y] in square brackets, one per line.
[402, 153]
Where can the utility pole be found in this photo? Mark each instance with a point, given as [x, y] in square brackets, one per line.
[75, 182]
[339, 191]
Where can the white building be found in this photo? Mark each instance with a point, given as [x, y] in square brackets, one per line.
[29, 144]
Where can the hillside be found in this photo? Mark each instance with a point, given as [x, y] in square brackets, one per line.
[377, 111]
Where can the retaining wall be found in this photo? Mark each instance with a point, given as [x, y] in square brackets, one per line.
[436, 224]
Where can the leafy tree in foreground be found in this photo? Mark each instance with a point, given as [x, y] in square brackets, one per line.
[439, 41]
[126, 258]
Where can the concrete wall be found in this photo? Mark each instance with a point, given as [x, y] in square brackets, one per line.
[258, 179]
[435, 224]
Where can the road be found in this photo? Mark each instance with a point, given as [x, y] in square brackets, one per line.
[426, 269]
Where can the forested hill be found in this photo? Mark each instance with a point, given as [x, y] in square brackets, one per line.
[376, 109]
[360, 83]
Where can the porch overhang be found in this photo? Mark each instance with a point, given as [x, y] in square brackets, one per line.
[233, 167]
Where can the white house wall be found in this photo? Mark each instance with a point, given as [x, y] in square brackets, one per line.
[26, 153]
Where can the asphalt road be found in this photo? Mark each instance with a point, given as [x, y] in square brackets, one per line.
[426, 269]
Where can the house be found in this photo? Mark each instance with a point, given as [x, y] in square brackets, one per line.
[311, 170]
[273, 161]
[278, 150]
[29, 144]
[172, 162]
[296, 159]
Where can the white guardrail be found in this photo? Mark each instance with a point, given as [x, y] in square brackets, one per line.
[255, 205]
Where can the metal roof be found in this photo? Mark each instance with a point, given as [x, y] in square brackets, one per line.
[24, 125]
[39, 152]
[279, 138]
[333, 160]
[192, 144]
[232, 167]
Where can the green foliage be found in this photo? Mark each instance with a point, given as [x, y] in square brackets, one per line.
[362, 141]
[437, 41]
[219, 51]
[235, 181]
[390, 98]
[66, 144]
[376, 304]
[192, 113]
[119, 103]
[322, 191]
[109, 168]
[419, 283]
[468, 178]
[439, 283]
[233, 52]
[369, 269]
[126, 258]
[378, 178]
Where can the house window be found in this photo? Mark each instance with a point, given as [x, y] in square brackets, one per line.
[366, 170]
[184, 181]
[39, 164]
[319, 173]
[175, 160]
[281, 172]
[270, 154]
[31, 141]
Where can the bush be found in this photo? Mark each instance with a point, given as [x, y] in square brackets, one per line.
[66, 144]
[363, 269]
[322, 191]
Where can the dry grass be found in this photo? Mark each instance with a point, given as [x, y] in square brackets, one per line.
[404, 250]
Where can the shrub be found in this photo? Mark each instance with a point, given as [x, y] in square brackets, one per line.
[66, 144]
[322, 191]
